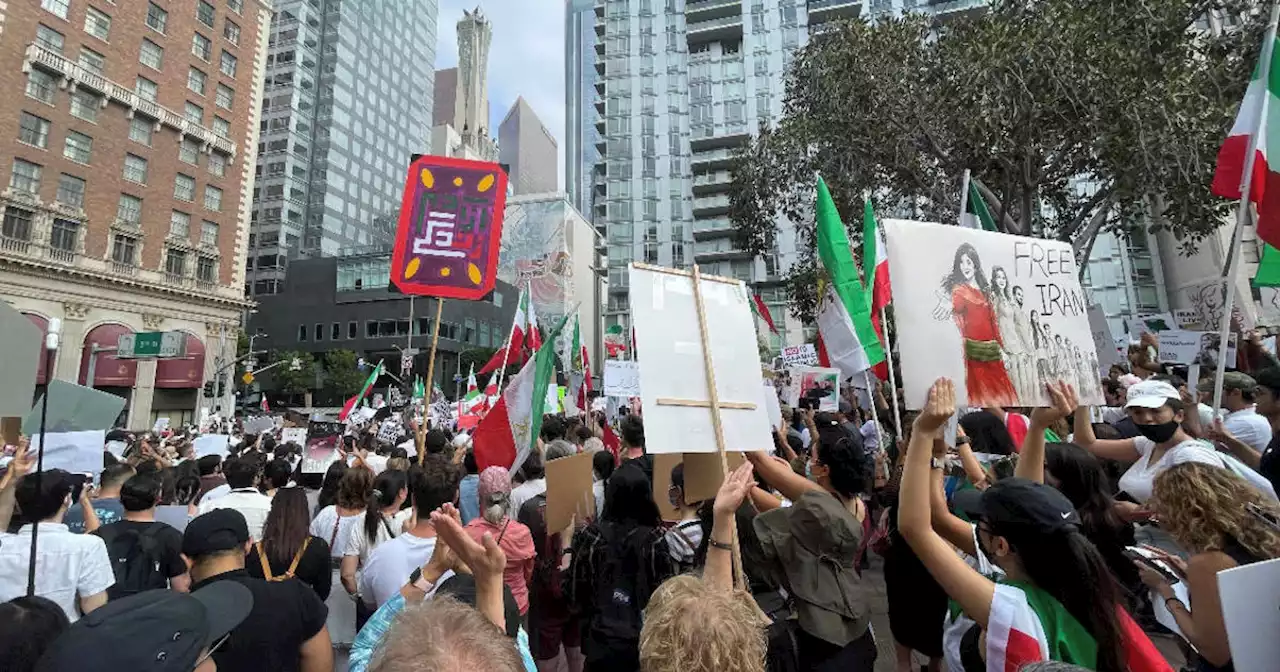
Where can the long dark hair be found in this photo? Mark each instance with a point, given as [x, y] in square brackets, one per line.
[628, 498]
[987, 433]
[955, 278]
[995, 288]
[28, 627]
[287, 525]
[385, 490]
[1082, 479]
[1061, 563]
[329, 489]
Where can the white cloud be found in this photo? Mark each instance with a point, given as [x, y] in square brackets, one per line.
[526, 57]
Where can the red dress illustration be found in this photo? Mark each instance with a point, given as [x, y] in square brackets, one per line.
[986, 378]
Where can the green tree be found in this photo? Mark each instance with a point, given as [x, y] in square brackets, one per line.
[289, 380]
[340, 373]
[1076, 117]
[475, 356]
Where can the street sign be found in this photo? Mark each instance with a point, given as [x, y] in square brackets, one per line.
[247, 378]
[409, 351]
[152, 344]
[250, 364]
[406, 364]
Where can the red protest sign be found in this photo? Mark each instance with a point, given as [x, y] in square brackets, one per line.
[450, 228]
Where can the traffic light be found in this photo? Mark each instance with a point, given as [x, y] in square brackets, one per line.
[222, 388]
[208, 390]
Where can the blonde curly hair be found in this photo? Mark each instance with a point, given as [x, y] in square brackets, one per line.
[690, 626]
[1203, 506]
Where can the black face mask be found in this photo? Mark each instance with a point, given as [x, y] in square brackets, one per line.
[1158, 432]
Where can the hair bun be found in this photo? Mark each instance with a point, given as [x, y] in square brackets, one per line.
[377, 494]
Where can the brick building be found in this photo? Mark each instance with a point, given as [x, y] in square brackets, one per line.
[128, 141]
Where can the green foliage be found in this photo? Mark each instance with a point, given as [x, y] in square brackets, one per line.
[290, 381]
[340, 373]
[1035, 97]
[479, 357]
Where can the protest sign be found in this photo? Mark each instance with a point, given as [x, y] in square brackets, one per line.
[1269, 306]
[23, 355]
[74, 408]
[621, 378]
[76, 452]
[1195, 347]
[211, 444]
[772, 406]
[861, 391]
[161, 425]
[174, 515]
[1103, 342]
[1187, 318]
[800, 355]
[569, 491]
[1250, 597]
[116, 448]
[1003, 316]
[296, 435]
[322, 446]
[816, 388]
[258, 425]
[674, 389]
[702, 475]
[1154, 323]
[450, 228]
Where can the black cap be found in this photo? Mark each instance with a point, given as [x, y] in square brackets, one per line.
[462, 587]
[217, 530]
[1018, 507]
[157, 631]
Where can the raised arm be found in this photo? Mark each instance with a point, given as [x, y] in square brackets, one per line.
[781, 476]
[1121, 450]
[1031, 461]
[22, 464]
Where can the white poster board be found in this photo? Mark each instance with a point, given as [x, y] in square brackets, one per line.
[296, 435]
[211, 444]
[1269, 306]
[818, 384]
[258, 425]
[1251, 611]
[1103, 342]
[76, 452]
[161, 425]
[1195, 347]
[800, 355]
[1000, 315]
[621, 378]
[772, 406]
[174, 515]
[669, 343]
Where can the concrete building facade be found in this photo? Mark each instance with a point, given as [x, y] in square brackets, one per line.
[528, 150]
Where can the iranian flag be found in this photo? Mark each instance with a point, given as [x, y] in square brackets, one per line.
[364, 391]
[506, 436]
[844, 316]
[491, 391]
[1252, 131]
[473, 397]
[614, 342]
[579, 369]
[875, 261]
[976, 214]
[762, 311]
[513, 351]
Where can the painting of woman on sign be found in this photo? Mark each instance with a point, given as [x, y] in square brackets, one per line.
[968, 293]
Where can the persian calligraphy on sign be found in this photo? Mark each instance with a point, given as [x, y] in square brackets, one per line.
[450, 228]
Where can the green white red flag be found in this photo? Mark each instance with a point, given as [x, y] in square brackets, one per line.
[1255, 130]
[762, 311]
[364, 391]
[513, 351]
[844, 315]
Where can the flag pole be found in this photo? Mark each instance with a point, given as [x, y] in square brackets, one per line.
[431, 363]
[964, 207]
[893, 383]
[875, 417]
[1242, 215]
[506, 353]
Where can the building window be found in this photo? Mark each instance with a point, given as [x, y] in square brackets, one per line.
[25, 177]
[227, 64]
[212, 198]
[335, 332]
[58, 8]
[196, 80]
[129, 210]
[194, 112]
[84, 105]
[221, 126]
[40, 85]
[225, 97]
[184, 187]
[217, 164]
[353, 330]
[204, 13]
[65, 235]
[124, 249]
[231, 32]
[302, 333]
[49, 38]
[157, 18]
[236, 6]
[175, 263]
[33, 130]
[70, 191]
[206, 269]
[209, 233]
[17, 223]
[150, 54]
[189, 151]
[371, 329]
[146, 89]
[97, 23]
[78, 147]
[92, 61]
[319, 333]
[201, 47]
[135, 169]
[140, 130]
[180, 225]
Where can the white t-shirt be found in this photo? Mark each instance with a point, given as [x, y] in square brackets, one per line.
[251, 504]
[391, 564]
[525, 492]
[68, 566]
[955, 623]
[323, 526]
[1251, 428]
[683, 544]
[358, 542]
[1141, 475]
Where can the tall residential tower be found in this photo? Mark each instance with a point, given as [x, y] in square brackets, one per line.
[528, 150]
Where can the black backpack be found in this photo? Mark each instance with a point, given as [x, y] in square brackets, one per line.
[623, 588]
[136, 557]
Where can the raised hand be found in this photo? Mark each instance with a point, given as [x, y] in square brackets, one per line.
[1063, 401]
[486, 560]
[734, 490]
[939, 407]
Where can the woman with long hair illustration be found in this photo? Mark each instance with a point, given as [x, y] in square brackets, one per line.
[986, 378]
[1017, 350]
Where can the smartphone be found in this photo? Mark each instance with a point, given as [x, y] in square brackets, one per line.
[1263, 515]
[78, 482]
[1152, 561]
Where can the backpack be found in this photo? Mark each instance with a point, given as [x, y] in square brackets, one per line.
[547, 578]
[293, 566]
[135, 559]
[623, 588]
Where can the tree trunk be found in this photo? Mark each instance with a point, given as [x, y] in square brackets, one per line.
[1082, 243]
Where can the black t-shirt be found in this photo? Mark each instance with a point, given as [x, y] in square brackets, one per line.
[170, 540]
[285, 615]
[314, 567]
[1269, 465]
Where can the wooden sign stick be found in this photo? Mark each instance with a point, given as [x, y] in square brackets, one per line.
[420, 439]
[714, 399]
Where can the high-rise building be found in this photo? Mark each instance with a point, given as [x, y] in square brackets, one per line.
[583, 125]
[347, 104]
[528, 150]
[460, 124]
[128, 166]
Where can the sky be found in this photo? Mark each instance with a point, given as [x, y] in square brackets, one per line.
[526, 58]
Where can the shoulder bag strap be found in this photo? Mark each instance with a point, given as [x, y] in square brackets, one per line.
[337, 518]
[297, 557]
[262, 557]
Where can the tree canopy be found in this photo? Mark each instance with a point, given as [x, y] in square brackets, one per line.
[294, 382]
[1076, 116]
[341, 375]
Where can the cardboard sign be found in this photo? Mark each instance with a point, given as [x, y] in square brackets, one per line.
[621, 378]
[674, 389]
[1195, 347]
[1251, 611]
[702, 476]
[818, 388]
[1103, 341]
[569, 491]
[23, 349]
[1000, 315]
[450, 228]
[799, 355]
[74, 408]
[76, 452]
[211, 444]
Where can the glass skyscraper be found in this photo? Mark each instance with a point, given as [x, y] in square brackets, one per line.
[580, 88]
[347, 102]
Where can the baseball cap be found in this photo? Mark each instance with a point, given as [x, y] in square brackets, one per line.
[217, 530]
[1151, 394]
[1235, 380]
[1017, 507]
[156, 630]
[462, 587]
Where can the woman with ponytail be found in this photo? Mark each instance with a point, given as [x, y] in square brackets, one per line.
[513, 537]
[1034, 588]
[381, 521]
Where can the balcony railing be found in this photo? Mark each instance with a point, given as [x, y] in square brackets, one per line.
[125, 268]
